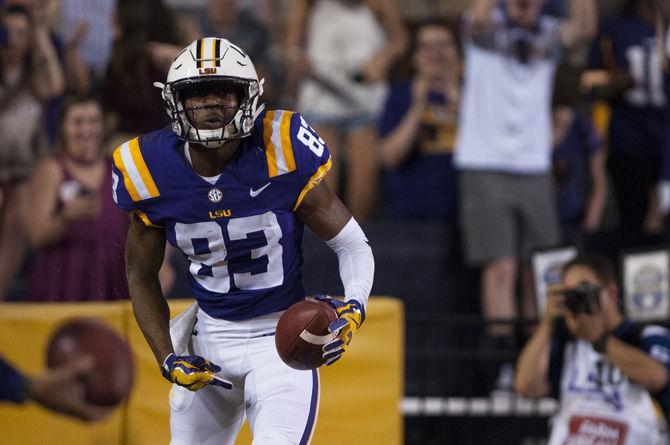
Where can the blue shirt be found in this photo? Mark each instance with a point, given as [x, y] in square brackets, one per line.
[638, 114]
[12, 383]
[241, 235]
[423, 186]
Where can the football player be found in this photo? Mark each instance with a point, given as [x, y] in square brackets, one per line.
[232, 186]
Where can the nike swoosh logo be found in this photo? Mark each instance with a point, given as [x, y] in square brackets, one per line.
[253, 193]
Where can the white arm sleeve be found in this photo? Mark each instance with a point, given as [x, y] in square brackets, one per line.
[357, 265]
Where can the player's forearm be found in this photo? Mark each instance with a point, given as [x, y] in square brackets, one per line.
[356, 262]
[153, 316]
[636, 364]
[532, 367]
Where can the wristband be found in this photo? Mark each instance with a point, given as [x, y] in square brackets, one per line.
[600, 343]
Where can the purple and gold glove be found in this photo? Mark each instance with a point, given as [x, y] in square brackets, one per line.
[192, 372]
[351, 315]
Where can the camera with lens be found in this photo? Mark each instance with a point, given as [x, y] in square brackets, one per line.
[582, 299]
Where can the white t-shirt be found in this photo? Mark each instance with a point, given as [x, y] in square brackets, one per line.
[505, 117]
[341, 39]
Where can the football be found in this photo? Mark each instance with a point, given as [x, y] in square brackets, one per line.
[111, 379]
[302, 331]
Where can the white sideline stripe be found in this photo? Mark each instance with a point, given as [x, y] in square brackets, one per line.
[495, 406]
[316, 339]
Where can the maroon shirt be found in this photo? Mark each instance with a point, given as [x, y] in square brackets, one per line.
[87, 263]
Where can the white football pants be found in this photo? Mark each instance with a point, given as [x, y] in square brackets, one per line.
[280, 402]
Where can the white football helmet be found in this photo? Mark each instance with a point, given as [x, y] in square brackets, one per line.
[212, 63]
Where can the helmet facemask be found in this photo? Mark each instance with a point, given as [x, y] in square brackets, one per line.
[236, 122]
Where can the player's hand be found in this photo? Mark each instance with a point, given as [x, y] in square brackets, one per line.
[350, 317]
[192, 372]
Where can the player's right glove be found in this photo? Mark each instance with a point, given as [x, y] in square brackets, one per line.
[192, 372]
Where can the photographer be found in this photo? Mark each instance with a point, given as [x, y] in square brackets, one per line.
[609, 375]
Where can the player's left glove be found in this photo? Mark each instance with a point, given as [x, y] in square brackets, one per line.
[351, 315]
[192, 372]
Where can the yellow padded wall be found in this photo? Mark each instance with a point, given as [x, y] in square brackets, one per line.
[25, 330]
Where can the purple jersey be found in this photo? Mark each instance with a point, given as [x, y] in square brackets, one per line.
[240, 234]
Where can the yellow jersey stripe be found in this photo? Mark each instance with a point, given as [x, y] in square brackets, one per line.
[285, 138]
[277, 138]
[269, 145]
[127, 182]
[142, 169]
[313, 181]
[145, 219]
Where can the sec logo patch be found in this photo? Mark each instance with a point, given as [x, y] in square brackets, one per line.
[215, 195]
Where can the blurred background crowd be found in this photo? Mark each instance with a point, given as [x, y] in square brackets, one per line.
[384, 83]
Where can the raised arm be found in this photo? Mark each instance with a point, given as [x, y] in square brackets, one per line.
[392, 22]
[531, 378]
[48, 79]
[45, 222]
[636, 364]
[481, 14]
[582, 23]
[296, 63]
[397, 145]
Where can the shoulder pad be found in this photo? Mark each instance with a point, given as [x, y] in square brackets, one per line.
[137, 179]
[277, 141]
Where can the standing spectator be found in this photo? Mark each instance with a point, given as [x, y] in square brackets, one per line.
[627, 64]
[504, 145]
[344, 48]
[77, 230]
[29, 75]
[418, 130]
[226, 19]
[609, 375]
[135, 107]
